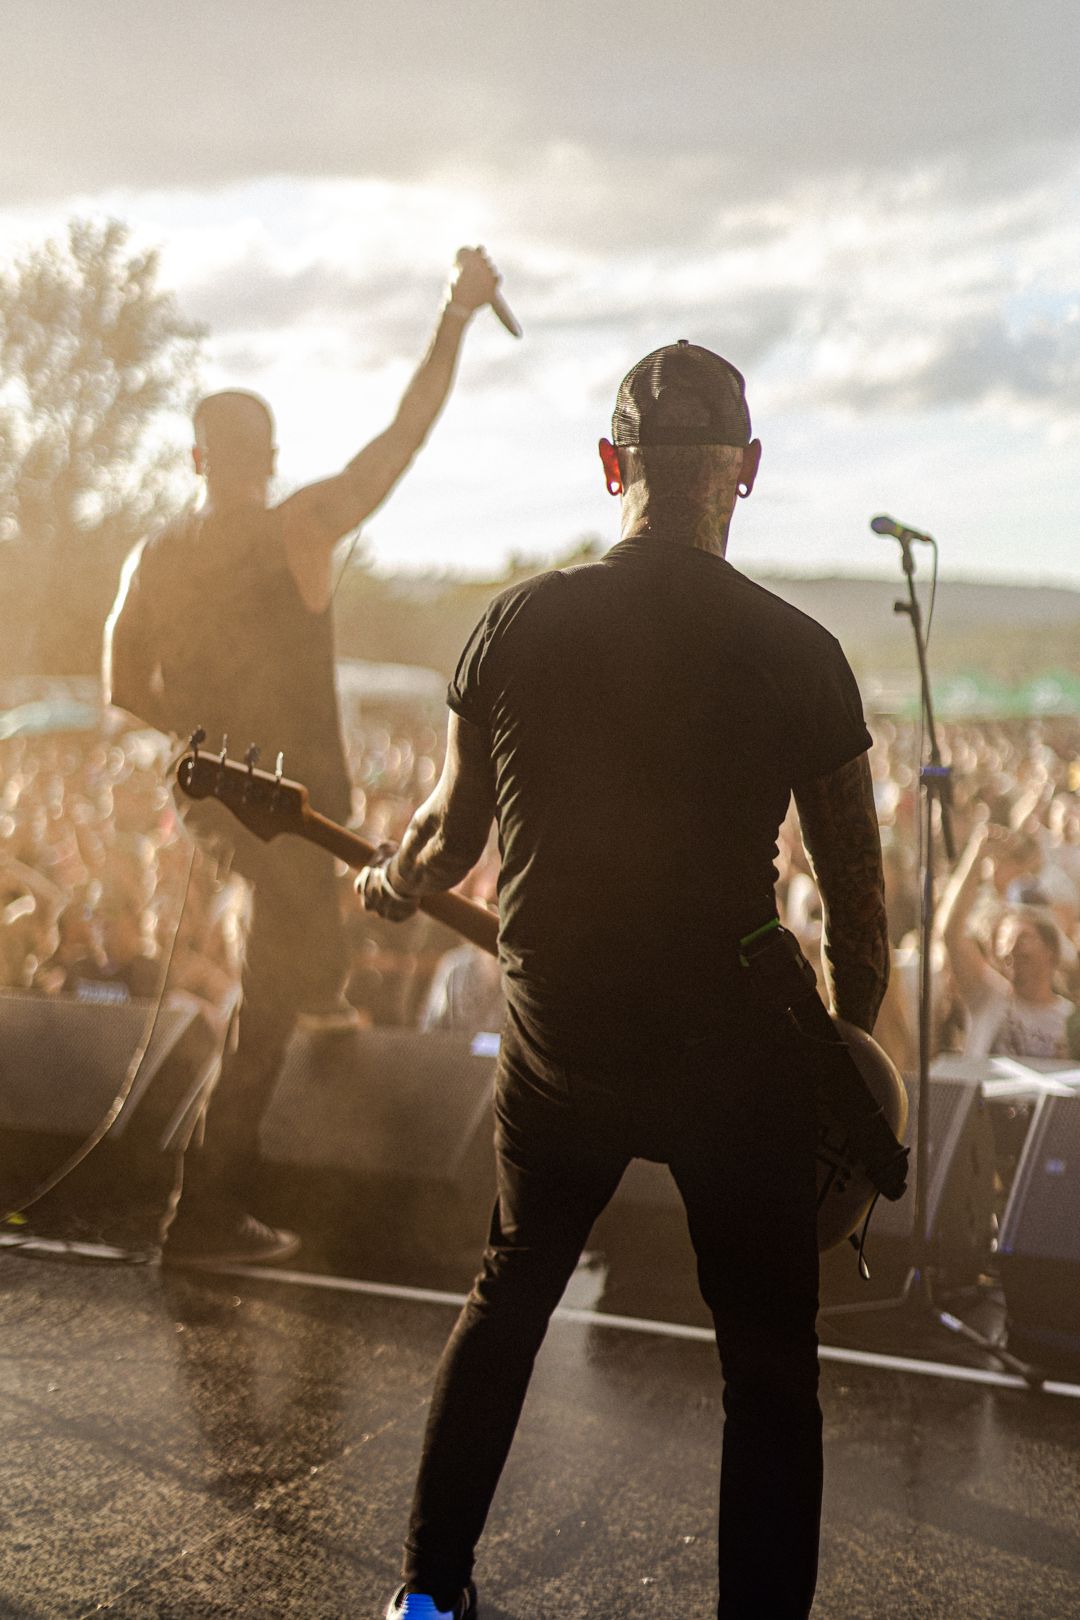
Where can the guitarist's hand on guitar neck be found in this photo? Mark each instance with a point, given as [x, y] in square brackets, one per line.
[378, 888]
[270, 805]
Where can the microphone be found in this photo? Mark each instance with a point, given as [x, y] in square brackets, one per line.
[502, 309]
[899, 531]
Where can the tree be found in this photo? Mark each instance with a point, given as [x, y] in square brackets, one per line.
[92, 355]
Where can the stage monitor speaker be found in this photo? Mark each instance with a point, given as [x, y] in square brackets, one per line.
[1039, 1246]
[959, 1204]
[418, 1107]
[385, 1103]
[63, 1062]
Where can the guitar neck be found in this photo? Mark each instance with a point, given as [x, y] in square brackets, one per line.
[475, 923]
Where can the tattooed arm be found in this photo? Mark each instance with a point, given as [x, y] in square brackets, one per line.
[446, 836]
[840, 832]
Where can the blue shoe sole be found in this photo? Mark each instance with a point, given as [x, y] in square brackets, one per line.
[396, 1610]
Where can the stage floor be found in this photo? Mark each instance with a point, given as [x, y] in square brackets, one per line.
[177, 1446]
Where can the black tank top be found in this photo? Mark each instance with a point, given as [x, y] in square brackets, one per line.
[240, 653]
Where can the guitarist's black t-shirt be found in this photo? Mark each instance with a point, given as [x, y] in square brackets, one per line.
[648, 716]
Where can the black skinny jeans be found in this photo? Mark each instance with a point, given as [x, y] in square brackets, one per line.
[735, 1119]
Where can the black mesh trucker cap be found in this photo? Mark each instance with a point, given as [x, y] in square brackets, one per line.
[681, 394]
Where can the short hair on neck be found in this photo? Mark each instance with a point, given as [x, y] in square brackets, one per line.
[705, 472]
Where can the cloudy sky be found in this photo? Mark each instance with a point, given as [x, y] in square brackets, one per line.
[870, 207]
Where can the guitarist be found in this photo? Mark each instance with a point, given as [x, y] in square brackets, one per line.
[223, 621]
[637, 726]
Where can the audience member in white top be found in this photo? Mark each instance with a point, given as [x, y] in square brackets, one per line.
[1012, 1004]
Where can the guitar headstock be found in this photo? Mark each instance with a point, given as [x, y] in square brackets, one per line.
[265, 802]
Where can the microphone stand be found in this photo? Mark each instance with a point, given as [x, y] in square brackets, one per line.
[935, 784]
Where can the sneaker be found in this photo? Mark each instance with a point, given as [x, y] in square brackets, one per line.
[418, 1606]
[212, 1239]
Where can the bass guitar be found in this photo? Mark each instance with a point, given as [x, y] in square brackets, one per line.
[269, 804]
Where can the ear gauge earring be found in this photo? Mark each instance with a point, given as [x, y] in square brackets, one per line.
[744, 490]
[614, 486]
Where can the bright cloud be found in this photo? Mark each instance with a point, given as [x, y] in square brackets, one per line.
[871, 209]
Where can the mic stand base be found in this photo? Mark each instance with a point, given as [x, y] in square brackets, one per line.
[917, 1302]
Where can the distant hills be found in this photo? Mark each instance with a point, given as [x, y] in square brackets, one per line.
[998, 639]
[1011, 633]
[860, 608]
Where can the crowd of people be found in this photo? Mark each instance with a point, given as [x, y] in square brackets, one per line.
[94, 873]
[102, 896]
[1005, 977]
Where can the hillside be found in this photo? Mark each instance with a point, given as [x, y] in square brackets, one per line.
[1007, 631]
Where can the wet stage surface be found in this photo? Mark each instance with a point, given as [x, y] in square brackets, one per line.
[180, 1445]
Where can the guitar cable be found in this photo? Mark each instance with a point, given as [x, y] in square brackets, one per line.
[14, 1217]
[859, 1243]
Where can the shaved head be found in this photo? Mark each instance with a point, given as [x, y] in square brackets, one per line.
[234, 439]
[234, 420]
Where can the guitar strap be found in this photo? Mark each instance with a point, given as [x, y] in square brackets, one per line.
[787, 982]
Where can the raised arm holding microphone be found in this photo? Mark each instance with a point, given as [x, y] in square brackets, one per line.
[223, 621]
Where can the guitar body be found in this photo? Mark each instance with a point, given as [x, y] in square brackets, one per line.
[845, 1191]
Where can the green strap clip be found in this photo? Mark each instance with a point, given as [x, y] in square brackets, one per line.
[758, 933]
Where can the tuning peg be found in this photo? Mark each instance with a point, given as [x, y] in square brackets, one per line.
[196, 740]
[251, 758]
